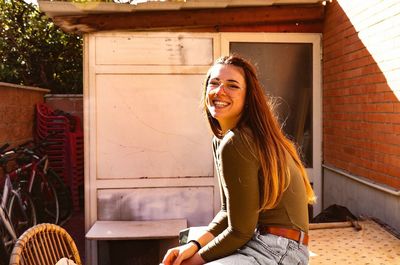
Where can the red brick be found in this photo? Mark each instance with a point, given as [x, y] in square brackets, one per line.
[385, 107]
[381, 127]
[376, 78]
[390, 96]
[378, 97]
[394, 182]
[351, 40]
[396, 107]
[353, 47]
[379, 177]
[356, 90]
[363, 53]
[350, 31]
[333, 55]
[384, 138]
[370, 69]
[357, 170]
[378, 87]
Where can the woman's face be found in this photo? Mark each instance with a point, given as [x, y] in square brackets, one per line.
[226, 94]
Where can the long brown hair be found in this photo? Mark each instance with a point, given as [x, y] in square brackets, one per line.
[271, 144]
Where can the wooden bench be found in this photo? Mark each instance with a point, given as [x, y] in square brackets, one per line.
[135, 230]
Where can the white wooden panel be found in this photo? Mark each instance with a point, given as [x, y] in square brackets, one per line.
[143, 118]
[151, 126]
[155, 182]
[151, 69]
[147, 50]
[191, 203]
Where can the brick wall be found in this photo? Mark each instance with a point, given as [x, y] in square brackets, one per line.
[361, 80]
[17, 108]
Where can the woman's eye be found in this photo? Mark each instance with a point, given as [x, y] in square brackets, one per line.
[213, 84]
[233, 86]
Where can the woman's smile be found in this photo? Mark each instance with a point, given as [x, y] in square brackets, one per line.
[220, 104]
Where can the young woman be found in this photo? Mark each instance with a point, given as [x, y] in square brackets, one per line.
[264, 187]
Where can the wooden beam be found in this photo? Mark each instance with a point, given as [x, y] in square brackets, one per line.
[194, 18]
[315, 27]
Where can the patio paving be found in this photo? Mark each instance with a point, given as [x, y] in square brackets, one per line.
[373, 245]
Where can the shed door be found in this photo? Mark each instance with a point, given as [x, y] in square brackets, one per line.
[288, 66]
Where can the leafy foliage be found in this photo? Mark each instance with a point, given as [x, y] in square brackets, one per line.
[35, 52]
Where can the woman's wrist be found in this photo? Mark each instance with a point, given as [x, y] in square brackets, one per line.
[196, 243]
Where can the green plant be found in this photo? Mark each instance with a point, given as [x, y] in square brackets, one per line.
[35, 52]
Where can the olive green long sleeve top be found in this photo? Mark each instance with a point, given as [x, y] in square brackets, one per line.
[234, 225]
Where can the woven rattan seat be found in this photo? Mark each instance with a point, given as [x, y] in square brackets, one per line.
[44, 244]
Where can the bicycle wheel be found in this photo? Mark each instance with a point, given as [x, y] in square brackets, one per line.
[46, 201]
[22, 212]
[63, 194]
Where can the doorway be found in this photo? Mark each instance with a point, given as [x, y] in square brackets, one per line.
[289, 69]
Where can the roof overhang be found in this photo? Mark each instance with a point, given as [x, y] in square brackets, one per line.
[62, 8]
[178, 15]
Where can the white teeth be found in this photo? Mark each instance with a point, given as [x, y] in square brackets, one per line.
[220, 104]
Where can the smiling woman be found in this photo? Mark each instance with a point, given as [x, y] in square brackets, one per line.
[263, 184]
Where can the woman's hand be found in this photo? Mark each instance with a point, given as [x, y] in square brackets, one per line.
[175, 256]
[187, 254]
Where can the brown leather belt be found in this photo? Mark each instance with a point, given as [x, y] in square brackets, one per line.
[293, 234]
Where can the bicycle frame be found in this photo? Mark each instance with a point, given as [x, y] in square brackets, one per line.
[7, 190]
[3, 206]
[36, 177]
[3, 213]
[32, 176]
[32, 166]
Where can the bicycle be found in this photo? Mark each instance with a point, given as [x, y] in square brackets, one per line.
[51, 196]
[17, 211]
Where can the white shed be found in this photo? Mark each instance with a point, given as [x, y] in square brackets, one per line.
[147, 144]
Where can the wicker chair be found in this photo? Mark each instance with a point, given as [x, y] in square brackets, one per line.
[44, 244]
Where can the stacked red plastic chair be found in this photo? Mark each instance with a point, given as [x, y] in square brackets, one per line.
[65, 151]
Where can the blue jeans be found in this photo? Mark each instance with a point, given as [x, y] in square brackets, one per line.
[267, 250]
